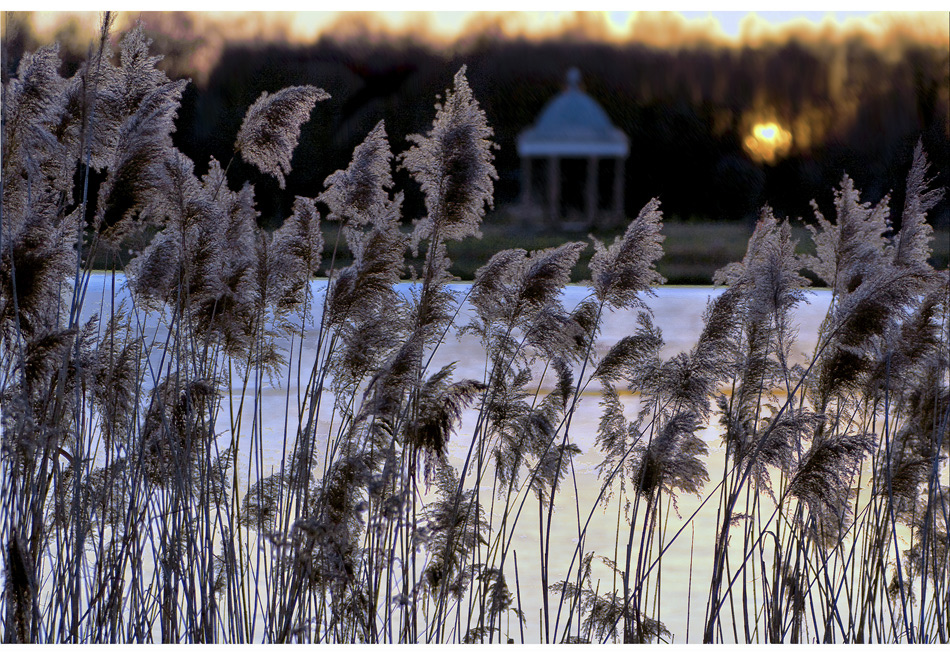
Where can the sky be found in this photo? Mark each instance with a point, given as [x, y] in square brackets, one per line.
[729, 20]
[307, 22]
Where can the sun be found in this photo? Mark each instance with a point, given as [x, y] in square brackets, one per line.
[766, 132]
[768, 142]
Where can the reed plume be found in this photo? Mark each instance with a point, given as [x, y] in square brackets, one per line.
[271, 128]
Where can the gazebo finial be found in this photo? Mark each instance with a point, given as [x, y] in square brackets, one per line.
[573, 79]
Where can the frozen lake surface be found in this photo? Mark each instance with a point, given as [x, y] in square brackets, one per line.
[677, 311]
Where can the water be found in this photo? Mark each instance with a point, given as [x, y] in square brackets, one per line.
[677, 311]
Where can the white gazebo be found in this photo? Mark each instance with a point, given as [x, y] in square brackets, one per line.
[573, 128]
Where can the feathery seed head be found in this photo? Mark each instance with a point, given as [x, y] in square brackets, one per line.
[546, 273]
[271, 128]
[912, 242]
[627, 268]
[829, 465]
[137, 175]
[360, 194]
[854, 247]
[138, 75]
[453, 165]
[629, 354]
[493, 289]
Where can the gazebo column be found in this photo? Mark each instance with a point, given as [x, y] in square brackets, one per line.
[525, 181]
[554, 189]
[590, 192]
[618, 186]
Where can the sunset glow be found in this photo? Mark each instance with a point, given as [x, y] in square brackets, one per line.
[768, 142]
[202, 37]
[657, 28]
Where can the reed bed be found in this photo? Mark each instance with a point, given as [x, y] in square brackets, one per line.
[138, 502]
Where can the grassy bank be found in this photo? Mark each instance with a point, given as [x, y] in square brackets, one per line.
[693, 251]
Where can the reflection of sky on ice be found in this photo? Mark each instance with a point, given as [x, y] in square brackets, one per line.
[678, 311]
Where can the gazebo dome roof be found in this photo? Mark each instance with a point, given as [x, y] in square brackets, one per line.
[573, 125]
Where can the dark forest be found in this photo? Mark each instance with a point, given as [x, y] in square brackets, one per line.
[852, 106]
